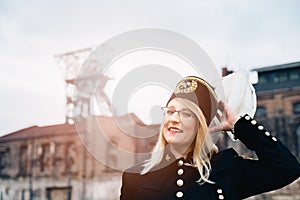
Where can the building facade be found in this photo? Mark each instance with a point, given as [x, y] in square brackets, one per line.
[278, 102]
[54, 162]
[278, 108]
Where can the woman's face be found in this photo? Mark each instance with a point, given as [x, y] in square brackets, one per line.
[179, 128]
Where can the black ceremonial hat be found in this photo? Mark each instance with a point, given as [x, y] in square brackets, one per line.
[199, 92]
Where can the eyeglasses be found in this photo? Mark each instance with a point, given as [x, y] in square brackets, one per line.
[183, 114]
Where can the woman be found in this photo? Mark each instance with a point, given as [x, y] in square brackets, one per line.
[186, 164]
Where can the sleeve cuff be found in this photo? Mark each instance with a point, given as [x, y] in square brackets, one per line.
[249, 131]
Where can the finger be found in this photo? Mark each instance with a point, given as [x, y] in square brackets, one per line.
[221, 105]
[215, 128]
[225, 107]
[219, 115]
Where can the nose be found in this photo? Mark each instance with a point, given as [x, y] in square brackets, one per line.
[175, 117]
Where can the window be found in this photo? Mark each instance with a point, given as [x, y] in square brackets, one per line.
[71, 156]
[274, 77]
[261, 112]
[59, 193]
[296, 108]
[24, 161]
[282, 77]
[294, 75]
[4, 161]
[263, 79]
[45, 156]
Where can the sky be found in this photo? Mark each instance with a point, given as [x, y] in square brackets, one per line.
[240, 34]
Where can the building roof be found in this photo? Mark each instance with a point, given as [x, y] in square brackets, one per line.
[278, 77]
[277, 67]
[37, 131]
[129, 121]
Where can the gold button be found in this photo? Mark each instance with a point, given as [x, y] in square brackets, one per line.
[267, 133]
[180, 163]
[180, 172]
[260, 127]
[247, 117]
[221, 196]
[253, 122]
[274, 139]
[219, 191]
[180, 182]
[179, 194]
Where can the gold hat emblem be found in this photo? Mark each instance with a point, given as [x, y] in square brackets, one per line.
[186, 86]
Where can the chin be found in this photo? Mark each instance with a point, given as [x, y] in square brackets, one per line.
[174, 140]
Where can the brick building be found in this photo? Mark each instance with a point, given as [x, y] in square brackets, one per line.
[278, 102]
[54, 162]
[278, 108]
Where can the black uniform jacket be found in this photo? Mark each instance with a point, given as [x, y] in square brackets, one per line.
[235, 177]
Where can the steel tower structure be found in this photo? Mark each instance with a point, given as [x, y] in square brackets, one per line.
[80, 84]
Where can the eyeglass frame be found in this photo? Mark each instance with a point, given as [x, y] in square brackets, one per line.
[183, 114]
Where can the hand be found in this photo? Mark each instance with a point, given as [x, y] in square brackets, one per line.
[227, 118]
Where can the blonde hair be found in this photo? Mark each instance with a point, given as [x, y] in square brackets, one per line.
[203, 146]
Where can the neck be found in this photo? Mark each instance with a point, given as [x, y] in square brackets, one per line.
[180, 151]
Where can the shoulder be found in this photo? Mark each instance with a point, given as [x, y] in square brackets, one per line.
[131, 176]
[136, 168]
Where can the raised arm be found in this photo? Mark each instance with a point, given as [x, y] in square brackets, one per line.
[275, 167]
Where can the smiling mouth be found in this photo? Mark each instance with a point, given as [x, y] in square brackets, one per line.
[174, 130]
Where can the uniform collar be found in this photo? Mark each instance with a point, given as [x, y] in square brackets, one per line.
[169, 156]
[219, 161]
